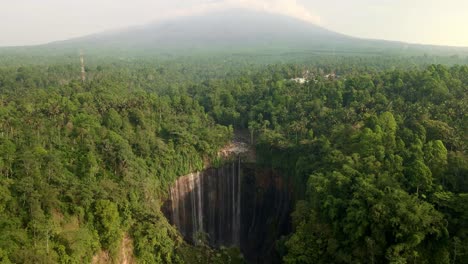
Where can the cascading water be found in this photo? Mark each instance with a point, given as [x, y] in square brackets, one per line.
[206, 206]
[234, 205]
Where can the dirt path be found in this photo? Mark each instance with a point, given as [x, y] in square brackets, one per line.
[126, 250]
[125, 255]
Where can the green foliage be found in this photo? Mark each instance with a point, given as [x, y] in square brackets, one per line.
[377, 157]
[153, 243]
[107, 223]
[79, 163]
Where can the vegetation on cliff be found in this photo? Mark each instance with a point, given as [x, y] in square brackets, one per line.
[378, 157]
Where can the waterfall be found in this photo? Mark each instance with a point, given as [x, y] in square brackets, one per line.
[193, 211]
[192, 186]
[200, 202]
[207, 205]
[233, 205]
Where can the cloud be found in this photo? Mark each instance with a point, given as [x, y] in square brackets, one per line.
[284, 7]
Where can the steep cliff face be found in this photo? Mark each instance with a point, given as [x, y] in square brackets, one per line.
[206, 206]
[235, 205]
[266, 209]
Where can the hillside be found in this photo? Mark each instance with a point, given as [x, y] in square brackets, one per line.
[234, 31]
[368, 167]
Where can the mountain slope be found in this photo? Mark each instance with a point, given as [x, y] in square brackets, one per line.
[229, 29]
[235, 30]
[238, 30]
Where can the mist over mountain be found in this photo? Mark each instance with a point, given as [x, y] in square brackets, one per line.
[232, 31]
[238, 30]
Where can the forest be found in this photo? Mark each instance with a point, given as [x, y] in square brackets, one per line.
[374, 148]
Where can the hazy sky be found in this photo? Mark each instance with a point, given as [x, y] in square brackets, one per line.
[444, 22]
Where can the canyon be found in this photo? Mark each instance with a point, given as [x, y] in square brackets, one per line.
[238, 204]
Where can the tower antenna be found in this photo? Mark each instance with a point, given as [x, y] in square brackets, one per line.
[83, 72]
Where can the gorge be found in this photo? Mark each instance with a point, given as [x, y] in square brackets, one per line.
[235, 205]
